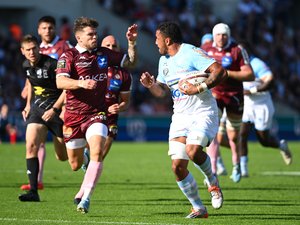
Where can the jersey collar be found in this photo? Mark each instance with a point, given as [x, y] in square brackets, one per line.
[44, 45]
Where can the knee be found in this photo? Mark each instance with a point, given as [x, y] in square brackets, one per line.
[178, 170]
[75, 165]
[31, 149]
[62, 157]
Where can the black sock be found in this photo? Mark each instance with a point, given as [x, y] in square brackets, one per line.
[32, 171]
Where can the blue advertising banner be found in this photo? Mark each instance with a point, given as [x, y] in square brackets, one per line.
[149, 128]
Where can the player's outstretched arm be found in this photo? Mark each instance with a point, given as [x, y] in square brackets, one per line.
[156, 88]
[131, 35]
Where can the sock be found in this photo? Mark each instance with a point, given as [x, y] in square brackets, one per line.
[91, 177]
[189, 188]
[220, 161]
[244, 163]
[32, 172]
[41, 157]
[205, 168]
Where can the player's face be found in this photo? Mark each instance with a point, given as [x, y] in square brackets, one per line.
[31, 52]
[111, 43]
[160, 42]
[46, 32]
[87, 38]
[221, 40]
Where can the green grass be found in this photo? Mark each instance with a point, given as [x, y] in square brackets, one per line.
[137, 187]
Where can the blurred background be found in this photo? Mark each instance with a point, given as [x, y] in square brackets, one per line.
[272, 26]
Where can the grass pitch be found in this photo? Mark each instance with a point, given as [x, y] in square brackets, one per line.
[137, 187]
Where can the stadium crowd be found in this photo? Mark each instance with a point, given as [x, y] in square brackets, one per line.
[267, 25]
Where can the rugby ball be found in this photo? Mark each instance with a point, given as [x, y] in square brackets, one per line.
[194, 77]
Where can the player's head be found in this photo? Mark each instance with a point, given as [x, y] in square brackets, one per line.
[208, 37]
[221, 34]
[46, 29]
[167, 34]
[85, 30]
[30, 48]
[110, 42]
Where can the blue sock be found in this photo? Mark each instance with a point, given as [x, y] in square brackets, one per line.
[205, 168]
[189, 188]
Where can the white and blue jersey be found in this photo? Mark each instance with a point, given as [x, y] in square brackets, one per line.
[260, 70]
[173, 68]
[258, 107]
[195, 116]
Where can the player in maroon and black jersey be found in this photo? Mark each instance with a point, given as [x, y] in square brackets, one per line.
[42, 110]
[82, 72]
[54, 46]
[229, 94]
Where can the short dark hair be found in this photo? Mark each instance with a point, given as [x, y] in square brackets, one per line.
[28, 38]
[83, 22]
[171, 30]
[47, 19]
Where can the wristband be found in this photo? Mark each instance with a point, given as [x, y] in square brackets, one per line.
[204, 87]
[253, 90]
[56, 110]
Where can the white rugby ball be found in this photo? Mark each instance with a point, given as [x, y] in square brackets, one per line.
[194, 77]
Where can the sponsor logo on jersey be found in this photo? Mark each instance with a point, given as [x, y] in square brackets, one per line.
[114, 85]
[227, 61]
[38, 90]
[61, 64]
[99, 116]
[165, 71]
[102, 61]
[83, 64]
[96, 77]
[113, 129]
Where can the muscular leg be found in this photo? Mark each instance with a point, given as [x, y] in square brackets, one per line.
[266, 139]
[107, 146]
[243, 147]
[35, 135]
[233, 124]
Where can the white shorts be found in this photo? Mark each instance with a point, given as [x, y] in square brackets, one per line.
[199, 129]
[261, 115]
[95, 129]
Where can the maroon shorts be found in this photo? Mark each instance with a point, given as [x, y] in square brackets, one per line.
[75, 125]
[233, 103]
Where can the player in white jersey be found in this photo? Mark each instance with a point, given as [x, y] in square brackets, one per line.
[258, 111]
[195, 119]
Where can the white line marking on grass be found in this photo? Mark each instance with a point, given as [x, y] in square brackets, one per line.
[82, 222]
[281, 173]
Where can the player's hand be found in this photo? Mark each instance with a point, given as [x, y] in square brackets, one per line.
[87, 84]
[114, 109]
[48, 115]
[147, 80]
[187, 88]
[132, 33]
[25, 113]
